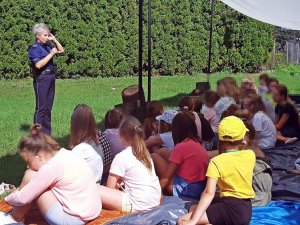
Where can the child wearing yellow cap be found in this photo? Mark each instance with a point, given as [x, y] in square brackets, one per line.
[232, 170]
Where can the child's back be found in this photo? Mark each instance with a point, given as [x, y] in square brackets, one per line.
[151, 125]
[265, 129]
[116, 144]
[233, 172]
[210, 115]
[234, 177]
[141, 185]
[93, 155]
[134, 168]
[113, 119]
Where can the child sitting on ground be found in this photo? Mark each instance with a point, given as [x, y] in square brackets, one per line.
[57, 180]
[84, 141]
[193, 104]
[208, 110]
[164, 139]
[232, 170]
[229, 93]
[183, 173]
[112, 121]
[262, 175]
[265, 129]
[272, 84]
[151, 125]
[247, 86]
[287, 117]
[263, 82]
[133, 172]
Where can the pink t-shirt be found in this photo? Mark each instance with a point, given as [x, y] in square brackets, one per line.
[192, 160]
[71, 181]
[141, 185]
[210, 116]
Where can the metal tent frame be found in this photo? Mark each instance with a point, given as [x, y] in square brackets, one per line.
[140, 73]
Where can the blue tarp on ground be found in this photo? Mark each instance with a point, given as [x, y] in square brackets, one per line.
[167, 214]
[285, 187]
[277, 213]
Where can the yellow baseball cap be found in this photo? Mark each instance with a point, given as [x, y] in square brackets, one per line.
[232, 129]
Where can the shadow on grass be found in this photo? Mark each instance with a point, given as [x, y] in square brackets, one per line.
[172, 101]
[12, 168]
[25, 127]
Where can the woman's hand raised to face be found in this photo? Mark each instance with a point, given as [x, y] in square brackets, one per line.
[51, 37]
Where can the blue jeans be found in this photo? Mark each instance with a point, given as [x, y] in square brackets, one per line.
[44, 89]
[183, 188]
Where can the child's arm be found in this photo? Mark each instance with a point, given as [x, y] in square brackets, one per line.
[170, 172]
[153, 141]
[44, 178]
[276, 119]
[282, 121]
[206, 198]
[112, 181]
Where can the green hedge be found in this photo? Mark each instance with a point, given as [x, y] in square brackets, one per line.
[101, 37]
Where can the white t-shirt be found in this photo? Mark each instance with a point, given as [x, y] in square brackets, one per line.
[141, 185]
[265, 129]
[93, 155]
[167, 140]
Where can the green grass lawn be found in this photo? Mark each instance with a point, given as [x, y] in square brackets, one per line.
[17, 106]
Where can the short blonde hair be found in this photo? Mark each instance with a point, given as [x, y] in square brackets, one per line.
[39, 28]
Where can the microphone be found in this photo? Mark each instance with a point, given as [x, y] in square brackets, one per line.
[49, 43]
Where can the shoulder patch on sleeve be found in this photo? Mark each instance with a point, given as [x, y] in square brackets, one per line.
[32, 46]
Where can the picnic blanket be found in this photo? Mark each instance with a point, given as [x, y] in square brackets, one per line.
[34, 217]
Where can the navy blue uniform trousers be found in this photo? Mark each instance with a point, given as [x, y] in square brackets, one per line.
[44, 88]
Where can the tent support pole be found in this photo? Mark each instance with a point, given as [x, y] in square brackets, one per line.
[212, 7]
[141, 3]
[149, 49]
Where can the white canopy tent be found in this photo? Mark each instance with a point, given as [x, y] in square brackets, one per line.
[282, 13]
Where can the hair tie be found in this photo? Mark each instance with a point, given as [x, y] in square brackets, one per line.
[136, 127]
[35, 130]
[185, 107]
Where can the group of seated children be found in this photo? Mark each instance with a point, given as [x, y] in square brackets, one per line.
[186, 152]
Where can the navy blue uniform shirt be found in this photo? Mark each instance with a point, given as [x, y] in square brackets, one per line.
[37, 52]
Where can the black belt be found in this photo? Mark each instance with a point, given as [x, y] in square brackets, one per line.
[47, 72]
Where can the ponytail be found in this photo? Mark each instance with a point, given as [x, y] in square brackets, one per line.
[132, 132]
[38, 141]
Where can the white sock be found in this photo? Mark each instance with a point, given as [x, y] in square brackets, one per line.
[5, 219]
[291, 140]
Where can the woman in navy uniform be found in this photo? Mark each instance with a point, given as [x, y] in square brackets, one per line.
[41, 55]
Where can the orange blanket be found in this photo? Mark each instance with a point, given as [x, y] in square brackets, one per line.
[34, 217]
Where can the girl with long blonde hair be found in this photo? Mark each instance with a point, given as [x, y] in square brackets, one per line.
[132, 183]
